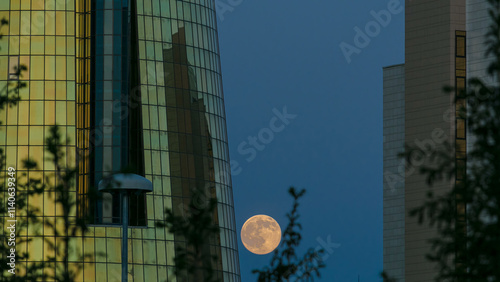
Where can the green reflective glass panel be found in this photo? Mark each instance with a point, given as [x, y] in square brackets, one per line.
[37, 67]
[37, 45]
[37, 23]
[36, 113]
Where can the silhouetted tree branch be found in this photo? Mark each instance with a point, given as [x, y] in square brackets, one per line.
[9, 93]
[285, 264]
[195, 227]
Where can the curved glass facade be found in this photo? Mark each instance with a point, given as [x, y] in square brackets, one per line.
[135, 84]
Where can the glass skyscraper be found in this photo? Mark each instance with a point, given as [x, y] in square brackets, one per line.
[133, 84]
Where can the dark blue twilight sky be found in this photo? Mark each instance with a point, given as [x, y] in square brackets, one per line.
[286, 53]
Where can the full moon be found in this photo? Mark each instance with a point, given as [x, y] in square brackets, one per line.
[261, 234]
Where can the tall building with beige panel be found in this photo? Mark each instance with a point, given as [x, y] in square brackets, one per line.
[444, 45]
[430, 61]
[435, 56]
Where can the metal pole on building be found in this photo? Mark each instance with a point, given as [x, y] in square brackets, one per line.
[125, 184]
[125, 236]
